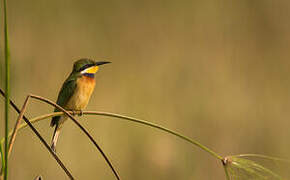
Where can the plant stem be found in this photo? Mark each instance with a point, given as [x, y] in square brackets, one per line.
[7, 88]
[2, 160]
[15, 129]
[226, 172]
[191, 141]
[81, 127]
[135, 120]
[39, 136]
[261, 156]
[68, 113]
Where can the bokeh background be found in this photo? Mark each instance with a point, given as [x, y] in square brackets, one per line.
[216, 71]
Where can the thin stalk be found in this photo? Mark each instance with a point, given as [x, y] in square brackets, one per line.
[7, 88]
[227, 173]
[15, 129]
[225, 164]
[262, 156]
[82, 128]
[27, 123]
[50, 150]
[122, 117]
[21, 126]
[1, 152]
[2, 160]
[147, 123]
[135, 120]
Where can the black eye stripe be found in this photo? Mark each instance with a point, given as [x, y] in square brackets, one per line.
[85, 67]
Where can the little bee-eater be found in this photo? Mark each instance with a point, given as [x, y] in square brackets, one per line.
[75, 92]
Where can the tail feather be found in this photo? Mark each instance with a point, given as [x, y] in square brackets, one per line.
[55, 137]
[54, 120]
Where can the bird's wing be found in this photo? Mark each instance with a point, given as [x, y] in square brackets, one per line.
[64, 95]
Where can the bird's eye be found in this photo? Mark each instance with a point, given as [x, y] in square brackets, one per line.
[84, 67]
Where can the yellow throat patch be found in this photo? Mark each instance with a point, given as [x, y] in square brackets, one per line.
[91, 70]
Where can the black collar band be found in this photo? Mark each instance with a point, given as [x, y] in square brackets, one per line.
[91, 75]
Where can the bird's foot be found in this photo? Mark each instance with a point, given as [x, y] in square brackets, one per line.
[77, 112]
[81, 112]
[74, 112]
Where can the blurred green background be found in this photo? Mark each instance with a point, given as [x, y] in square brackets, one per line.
[216, 71]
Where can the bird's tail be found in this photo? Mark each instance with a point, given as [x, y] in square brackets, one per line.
[55, 137]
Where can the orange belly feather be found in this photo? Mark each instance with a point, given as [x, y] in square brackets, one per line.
[82, 94]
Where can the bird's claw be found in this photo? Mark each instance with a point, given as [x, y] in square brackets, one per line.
[81, 113]
[74, 112]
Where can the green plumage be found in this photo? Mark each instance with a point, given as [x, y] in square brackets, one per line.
[71, 95]
[70, 85]
[64, 95]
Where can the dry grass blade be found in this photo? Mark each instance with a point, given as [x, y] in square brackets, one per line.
[16, 127]
[82, 128]
[243, 169]
[40, 137]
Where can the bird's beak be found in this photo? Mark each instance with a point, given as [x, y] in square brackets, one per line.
[102, 62]
[93, 69]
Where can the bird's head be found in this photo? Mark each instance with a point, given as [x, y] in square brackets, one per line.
[87, 66]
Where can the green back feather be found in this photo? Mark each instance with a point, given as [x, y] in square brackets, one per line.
[69, 86]
[64, 95]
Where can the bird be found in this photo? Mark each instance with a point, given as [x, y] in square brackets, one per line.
[75, 92]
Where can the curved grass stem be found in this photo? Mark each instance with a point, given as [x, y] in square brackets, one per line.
[28, 123]
[153, 125]
[21, 115]
[19, 126]
[135, 120]
[81, 127]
